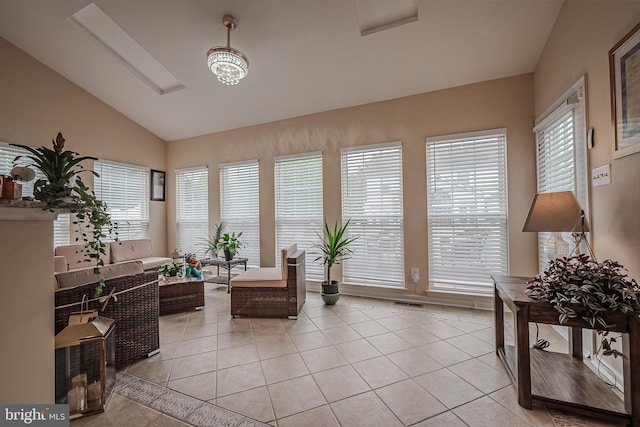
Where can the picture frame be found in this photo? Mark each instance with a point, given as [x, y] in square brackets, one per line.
[624, 72]
[157, 185]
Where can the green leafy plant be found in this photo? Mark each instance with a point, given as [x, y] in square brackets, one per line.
[230, 243]
[579, 286]
[334, 246]
[213, 242]
[170, 269]
[63, 188]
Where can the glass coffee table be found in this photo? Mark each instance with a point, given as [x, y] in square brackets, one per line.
[228, 265]
[180, 294]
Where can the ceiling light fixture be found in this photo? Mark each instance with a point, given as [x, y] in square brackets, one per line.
[228, 64]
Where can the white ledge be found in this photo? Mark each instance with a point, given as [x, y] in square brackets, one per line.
[22, 212]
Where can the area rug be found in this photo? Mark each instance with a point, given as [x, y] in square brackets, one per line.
[179, 406]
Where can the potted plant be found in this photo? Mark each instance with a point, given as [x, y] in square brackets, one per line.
[170, 269]
[334, 247]
[62, 188]
[230, 243]
[213, 242]
[579, 286]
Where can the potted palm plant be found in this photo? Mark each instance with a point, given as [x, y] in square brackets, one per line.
[333, 247]
[213, 246]
[62, 188]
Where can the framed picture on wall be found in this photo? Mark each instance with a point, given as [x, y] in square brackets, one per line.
[157, 185]
[624, 69]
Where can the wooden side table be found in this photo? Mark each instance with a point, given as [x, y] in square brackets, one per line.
[559, 380]
[228, 265]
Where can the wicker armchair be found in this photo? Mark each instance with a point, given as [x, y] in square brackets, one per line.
[271, 292]
[134, 306]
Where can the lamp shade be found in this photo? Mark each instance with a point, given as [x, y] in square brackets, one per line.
[556, 212]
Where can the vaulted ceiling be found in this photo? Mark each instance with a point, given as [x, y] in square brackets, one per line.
[306, 56]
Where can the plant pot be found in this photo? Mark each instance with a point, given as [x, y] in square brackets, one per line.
[227, 255]
[330, 289]
[330, 299]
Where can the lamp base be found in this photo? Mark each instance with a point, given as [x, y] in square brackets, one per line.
[556, 246]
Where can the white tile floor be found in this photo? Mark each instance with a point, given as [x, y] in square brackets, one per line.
[362, 362]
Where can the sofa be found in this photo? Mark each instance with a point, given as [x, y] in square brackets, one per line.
[73, 257]
[130, 297]
[271, 292]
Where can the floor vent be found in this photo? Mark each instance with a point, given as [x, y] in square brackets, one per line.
[408, 304]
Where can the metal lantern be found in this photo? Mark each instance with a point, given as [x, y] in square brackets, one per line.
[85, 363]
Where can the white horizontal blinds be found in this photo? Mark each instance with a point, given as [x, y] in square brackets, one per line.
[299, 212]
[61, 228]
[240, 206]
[467, 210]
[192, 210]
[556, 157]
[125, 190]
[372, 199]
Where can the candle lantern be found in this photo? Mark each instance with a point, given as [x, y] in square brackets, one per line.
[85, 364]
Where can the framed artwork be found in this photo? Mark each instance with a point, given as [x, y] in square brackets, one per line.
[157, 185]
[624, 69]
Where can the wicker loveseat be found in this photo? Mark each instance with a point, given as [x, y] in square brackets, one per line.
[271, 292]
[133, 304]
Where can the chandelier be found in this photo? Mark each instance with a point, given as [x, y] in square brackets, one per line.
[228, 64]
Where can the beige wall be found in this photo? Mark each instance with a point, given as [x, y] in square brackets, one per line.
[26, 307]
[37, 103]
[579, 44]
[505, 103]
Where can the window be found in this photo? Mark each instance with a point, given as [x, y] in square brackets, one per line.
[61, 228]
[562, 156]
[299, 211]
[240, 206]
[192, 209]
[372, 199]
[466, 210]
[125, 190]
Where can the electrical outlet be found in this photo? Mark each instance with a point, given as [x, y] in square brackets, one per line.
[415, 274]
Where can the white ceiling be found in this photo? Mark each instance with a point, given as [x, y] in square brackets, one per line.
[306, 56]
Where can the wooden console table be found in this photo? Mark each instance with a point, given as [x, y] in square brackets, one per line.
[564, 381]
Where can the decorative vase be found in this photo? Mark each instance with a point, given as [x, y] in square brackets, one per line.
[330, 299]
[330, 288]
[227, 255]
[330, 292]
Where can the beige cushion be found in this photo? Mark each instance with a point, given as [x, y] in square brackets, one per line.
[126, 250]
[286, 252]
[84, 276]
[60, 264]
[75, 256]
[154, 262]
[266, 277]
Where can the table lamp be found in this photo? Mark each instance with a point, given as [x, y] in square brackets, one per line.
[557, 212]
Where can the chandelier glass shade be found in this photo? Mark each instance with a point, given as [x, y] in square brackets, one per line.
[228, 64]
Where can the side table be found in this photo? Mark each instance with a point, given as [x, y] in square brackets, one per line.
[219, 262]
[564, 381]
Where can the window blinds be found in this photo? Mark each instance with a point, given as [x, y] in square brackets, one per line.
[240, 206]
[299, 213]
[372, 199]
[61, 227]
[125, 190]
[192, 210]
[467, 210]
